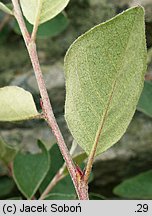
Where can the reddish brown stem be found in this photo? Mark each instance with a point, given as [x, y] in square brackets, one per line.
[81, 189]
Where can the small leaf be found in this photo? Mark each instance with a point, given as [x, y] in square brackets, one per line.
[145, 101]
[49, 29]
[78, 159]
[5, 9]
[42, 10]
[138, 187]
[16, 104]
[60, 196]
[30, 170]
[104, 70]
[6, 186]
[7, 153]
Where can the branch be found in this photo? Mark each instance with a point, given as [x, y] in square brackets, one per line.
[36, 24]
[47, 108]
[54, 181]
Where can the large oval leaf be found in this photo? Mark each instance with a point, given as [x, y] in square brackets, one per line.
[16, 104]
[43, 10]
[29, 170]
[104, 71]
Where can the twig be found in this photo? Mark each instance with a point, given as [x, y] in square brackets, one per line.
[54, 181]
[47, 108]
[60, 175]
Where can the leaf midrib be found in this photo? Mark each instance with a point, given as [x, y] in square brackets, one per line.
[103, 119]
[38, 13]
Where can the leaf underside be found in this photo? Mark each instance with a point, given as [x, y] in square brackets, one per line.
[16, 104]
[104, 70]
[137, 187]
[47, 9]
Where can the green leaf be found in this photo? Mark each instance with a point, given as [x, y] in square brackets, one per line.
[3, 169]
[64, 186]
[138, 187]
[78, 159]
[104, 71]
[7, 153]
[4, 34]
[145, 101]
[42, 10]
[56, 163]
[60, 196]
[30, 170]
[49, 29]
[15, 198]
[6, 186]
[94, 196]
[5, 9]
[16, 104]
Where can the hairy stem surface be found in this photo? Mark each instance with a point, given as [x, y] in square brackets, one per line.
[81, 189]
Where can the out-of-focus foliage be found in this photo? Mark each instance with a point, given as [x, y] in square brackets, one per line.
[137, 187]
[7, 153]
[145, 101]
